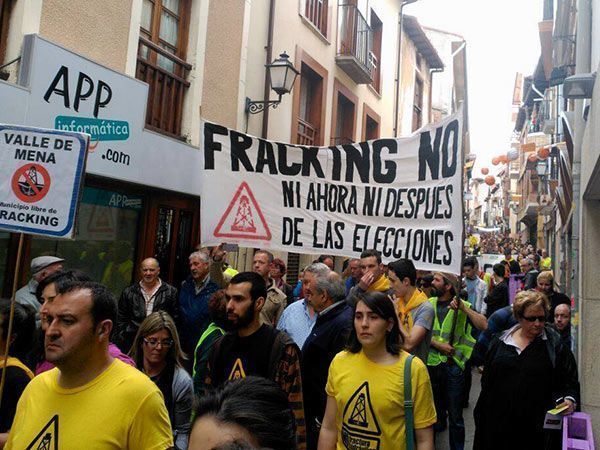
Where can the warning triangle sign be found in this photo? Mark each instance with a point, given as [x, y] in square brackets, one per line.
[243, 218]
[47, 439]
[358, 413]
[237, 372]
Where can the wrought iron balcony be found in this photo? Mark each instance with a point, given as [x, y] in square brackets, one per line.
[354, 45]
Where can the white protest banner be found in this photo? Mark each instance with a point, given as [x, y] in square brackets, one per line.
[400, 196]
[40, 177]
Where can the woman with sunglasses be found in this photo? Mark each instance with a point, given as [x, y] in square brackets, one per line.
[528, 371]
[365, 388]
[157, 352]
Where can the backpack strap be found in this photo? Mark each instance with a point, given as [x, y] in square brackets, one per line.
[408, 405]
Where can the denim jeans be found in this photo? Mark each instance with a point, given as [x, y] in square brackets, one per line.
[447, 383]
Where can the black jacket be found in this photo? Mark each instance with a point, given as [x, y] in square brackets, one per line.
[497, 298]
[517, 390]
[132, 311]
[327, 338]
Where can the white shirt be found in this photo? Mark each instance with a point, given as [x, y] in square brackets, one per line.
[149, 296]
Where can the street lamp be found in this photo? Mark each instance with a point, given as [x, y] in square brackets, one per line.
[282, 74]
[579, 86]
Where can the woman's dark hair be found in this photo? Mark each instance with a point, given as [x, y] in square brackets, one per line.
[23, 329]
[217, 308]
[381, 305]
[256, 404]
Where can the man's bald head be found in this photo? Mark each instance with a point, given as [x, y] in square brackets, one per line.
[562, 316]
[150, 270]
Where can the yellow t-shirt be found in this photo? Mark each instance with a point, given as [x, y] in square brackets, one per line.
[370, 401]
[120, 409]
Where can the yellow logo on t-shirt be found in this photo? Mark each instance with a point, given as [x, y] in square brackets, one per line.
[238, 371]
[47, 439]
[360, 429]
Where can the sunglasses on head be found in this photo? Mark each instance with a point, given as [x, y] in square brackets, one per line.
[534, 318]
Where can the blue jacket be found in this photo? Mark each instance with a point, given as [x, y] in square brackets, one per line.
[327, 338]
[193, 312]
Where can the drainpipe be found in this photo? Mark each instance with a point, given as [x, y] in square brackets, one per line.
[399, 65]
[268, 58]
[582, 65]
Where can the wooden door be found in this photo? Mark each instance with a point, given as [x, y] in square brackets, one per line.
[172, 234]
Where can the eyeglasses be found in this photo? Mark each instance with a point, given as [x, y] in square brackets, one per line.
[153, 343]
[534, 318]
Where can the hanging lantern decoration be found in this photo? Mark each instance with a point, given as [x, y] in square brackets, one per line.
[490, 180]
[532, 157]
[512, 154]
[503, 159]
[485, 170]
[495, 161]
[543, 153]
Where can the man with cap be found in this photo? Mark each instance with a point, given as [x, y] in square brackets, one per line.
[451, 347]
[41, 267]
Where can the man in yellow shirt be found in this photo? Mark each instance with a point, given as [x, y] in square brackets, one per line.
[90, 400]
[415, 313]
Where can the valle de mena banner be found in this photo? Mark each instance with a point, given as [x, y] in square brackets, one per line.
[401, 196]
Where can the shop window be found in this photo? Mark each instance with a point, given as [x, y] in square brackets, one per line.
[161, 61]
[105, 241]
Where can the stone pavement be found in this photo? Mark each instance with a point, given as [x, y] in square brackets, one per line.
[441, 439]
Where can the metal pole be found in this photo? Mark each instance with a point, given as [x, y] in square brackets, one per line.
[268, 60]
[12, 314]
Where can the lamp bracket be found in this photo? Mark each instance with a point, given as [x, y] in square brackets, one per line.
[258, 106]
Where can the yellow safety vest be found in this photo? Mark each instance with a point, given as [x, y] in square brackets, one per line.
[463, 341]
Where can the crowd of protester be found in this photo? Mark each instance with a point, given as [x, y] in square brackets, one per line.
[375, 356]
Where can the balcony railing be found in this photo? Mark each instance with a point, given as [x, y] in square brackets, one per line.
[354, 44]
[166, 89]
[307, 133]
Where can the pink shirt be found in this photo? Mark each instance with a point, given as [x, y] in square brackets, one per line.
[113, 350]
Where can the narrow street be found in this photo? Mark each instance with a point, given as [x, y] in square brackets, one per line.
[441, 439]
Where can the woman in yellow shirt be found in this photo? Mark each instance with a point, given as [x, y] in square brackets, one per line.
[365, 387]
